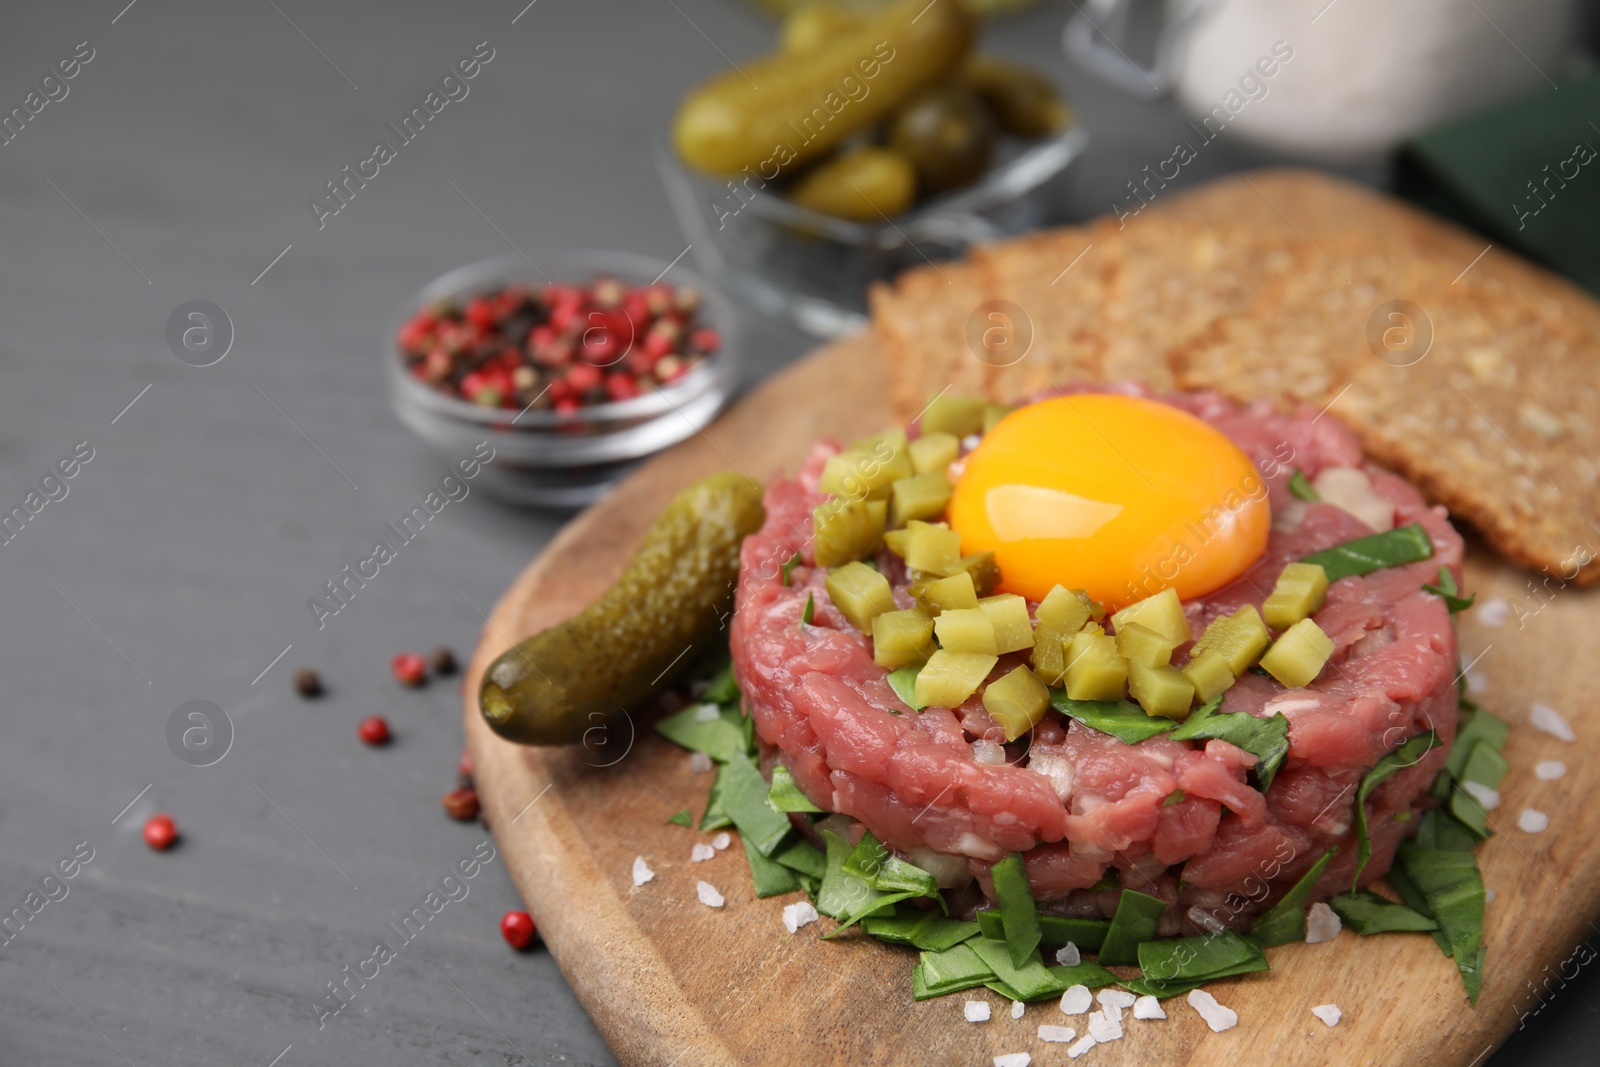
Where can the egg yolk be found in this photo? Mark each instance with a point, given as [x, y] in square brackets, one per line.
[1116, 495]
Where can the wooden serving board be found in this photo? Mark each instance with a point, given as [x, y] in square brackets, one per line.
[670, 981]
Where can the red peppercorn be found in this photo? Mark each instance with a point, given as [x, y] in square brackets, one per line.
[517, 928]
[409, 669]
[160, 832]
[480, 313]
[662, 338]
[461, 804]
[582, 377]
[621, 387]
[567, 405]
[705, 340]
[374, 730]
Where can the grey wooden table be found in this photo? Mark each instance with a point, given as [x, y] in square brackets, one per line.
[177, 566]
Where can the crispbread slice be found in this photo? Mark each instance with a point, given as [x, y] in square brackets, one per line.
[921, 319]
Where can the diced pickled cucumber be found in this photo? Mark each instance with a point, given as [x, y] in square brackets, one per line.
[949, 678]
[1161, 691]
[934, 452]
[933, 548]
[1016, 701]
[945, 594]
[866, 474]
[889, 441]
[901, 638]
[993, 413]
[1008, 613]
[1137, 643]
[1298, 656]
[966, 630]
[847, 530]
[1240, 638]
[860, 593]
[1049, 655]
[958, 415]
[1162, 613]
[1064, 610]
[898, 542]
[1299, 594]
[1209, 673]
[921, 496]
[984, 570]
[1094, 670]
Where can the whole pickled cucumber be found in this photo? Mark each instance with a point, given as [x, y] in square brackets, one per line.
[671, 598]
[947, 134]
[814, 25]
[782, 111]
[866, 185]
[1024, 101]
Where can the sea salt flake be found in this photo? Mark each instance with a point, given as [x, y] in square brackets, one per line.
[1148, 1008]
[987, 752]
[1076, 1000]
[1058, 1035]
[1013, 1059]
[1476, 683]
[1493, 612]
[797, 915]
[701, 852]
[977, 1011]
[1120, 998]
[1068, 955]
[1017, 1008]
[1532, 821]
[706, 713]
[1488, 797]
[1328, 1013]
[709, 895]
[699, 762]
[721, 841]
[1218, 1017]
[1085, 1043]
[1488, 895]
[641, 872]
[1551, 721]
[1103, 1028]
[1548, 770]
[1322, 924]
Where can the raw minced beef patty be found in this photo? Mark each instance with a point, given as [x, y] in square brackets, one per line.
[1079, 803]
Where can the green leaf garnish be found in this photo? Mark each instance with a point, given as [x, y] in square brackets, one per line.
[1266, 738]
[1482, 725]
[1301, 488]
[1176, 965]
[1285, 921]
[1030, 979]
[843, 894]
[882, 870]
[744, 798]
[715, 817]
[1087, 934]
[949, 971]
[1367, 913]
[1439, 829]
[811, 610]
[926, 929]
[790, 564]
[1403, 544]
[1447, 589]
[904, 683]
[1019, 915]
[723, 688]
[1121, 719]
[721, 736]
[1451, 884]
[1174, 798]
[785, 795]
[1404, 756]
[682, 817]
[804, 857]
[1408, 892]
[1486, 767]
[771, 877]
[1134, 923]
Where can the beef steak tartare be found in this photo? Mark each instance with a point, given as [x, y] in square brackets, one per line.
[1092, 813]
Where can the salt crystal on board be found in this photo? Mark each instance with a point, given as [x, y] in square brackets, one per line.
[1076, 1000]
[709, 895]
[1322, 924]
[1058, 1035]
[1328, 1013]
[1551, 721]
[977, 1011]
[797, 915]
[1068, 955]
[1532, 821]
[1218, 1017]
[701, 852]
[641, 872]
[1148, 1008]
[1548, 770]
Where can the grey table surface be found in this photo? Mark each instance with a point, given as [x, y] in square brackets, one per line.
[219, 499]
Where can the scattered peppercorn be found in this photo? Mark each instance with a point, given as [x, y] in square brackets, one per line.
[443, 661]
[374, 730]
[517, 928]
[308, 683]
[160, 832]
[409, 669]
[545, 347]
[461, 804]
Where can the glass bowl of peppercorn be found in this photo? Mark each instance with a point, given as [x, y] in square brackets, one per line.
[571, 368]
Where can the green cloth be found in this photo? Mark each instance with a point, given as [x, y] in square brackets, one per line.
[1526, 173]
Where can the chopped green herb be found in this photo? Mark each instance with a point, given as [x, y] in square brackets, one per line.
[1176, 965]
[1285, 921]
[785, 795]
[723, 688]
[843, 895]
[811, 609]
[884, 904]
[867, 858]
[771, 877]
[904, 683]
[1265, 738]
[1451, 884]
[880, 869]
[1404, 756]
[1439, 829]
[1121, 719]
[1018, 913]
[1367, 913]
[744, 798]
[1300, 487]
[1087, 934]
[716, 816]
[1174, 798]
[1030, 979]
[804, 857]
[682, 817]
[920, 928]
[1408, 892]
[790, 564]
[1107, 882]
[1487, 768]
[949, 971]
[1482, 726]
[1134, 923]
[719, 736]
[1447, 590]
[1403, 544]
[1088, 973]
